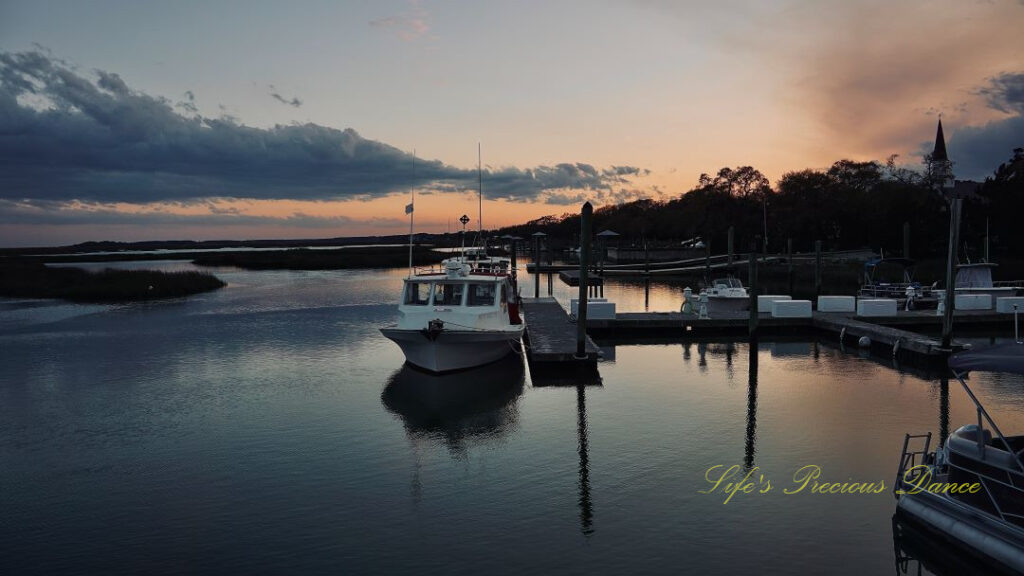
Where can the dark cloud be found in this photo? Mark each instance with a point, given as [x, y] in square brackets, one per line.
[978, 150]
[17, 213]
[1005, 93]
[66, 137]
[294, 102]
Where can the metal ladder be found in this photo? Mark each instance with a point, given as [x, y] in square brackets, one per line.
[910, 458]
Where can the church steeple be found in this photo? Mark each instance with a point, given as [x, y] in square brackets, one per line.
[940, 169]
[939, 153]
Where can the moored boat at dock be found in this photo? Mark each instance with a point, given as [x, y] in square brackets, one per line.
[970, 491]
[461, 315]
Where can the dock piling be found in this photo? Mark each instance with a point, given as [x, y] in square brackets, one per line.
[732, 235]
[954, 238]
[581, 314]
[789, 262]
[752, 288]
[906, 239]
[817, 268]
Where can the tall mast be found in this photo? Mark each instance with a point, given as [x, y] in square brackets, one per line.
[480, 189]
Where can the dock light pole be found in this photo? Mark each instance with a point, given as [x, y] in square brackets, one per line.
[954, 238]
[581, 315]
[464, 220]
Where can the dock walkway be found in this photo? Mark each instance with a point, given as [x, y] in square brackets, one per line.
[551, 337]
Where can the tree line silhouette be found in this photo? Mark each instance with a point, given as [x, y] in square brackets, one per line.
[850, 205]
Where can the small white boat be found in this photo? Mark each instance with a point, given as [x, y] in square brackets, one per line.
[726, 295]
[462, 315]
[986, 518]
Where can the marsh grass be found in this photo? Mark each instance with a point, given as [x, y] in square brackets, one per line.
[30, 279]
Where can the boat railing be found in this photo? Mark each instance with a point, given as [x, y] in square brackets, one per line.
[986, 481]
[1007, 283]
[910, 460]
[984, 413]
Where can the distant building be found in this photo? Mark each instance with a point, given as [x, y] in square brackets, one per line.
[940, 172]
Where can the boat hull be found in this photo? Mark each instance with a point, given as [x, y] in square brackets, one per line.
[981, 534]
[719, 304]
[450, 350]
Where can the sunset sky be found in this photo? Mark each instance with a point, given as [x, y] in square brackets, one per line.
[126, 120]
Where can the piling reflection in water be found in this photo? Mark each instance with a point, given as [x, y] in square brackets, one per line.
[586, 506]
[751, 436]
[472, 404]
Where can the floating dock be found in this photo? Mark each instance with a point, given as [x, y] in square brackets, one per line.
[572, 278]
[551, 337]
[888, 333]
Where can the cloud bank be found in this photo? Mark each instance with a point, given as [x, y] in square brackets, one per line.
[67, 136]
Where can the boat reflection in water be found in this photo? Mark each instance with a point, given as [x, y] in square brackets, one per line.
[475, 403]
[918, 552]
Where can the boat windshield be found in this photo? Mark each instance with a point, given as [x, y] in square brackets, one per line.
[728, 283]
[417, 293]
[481, 295]
[448, 294]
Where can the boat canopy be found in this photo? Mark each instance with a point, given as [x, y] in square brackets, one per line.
[1002, 358]
[974, 275]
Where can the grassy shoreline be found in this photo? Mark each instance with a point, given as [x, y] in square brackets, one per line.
[306, 259]
[33, 279]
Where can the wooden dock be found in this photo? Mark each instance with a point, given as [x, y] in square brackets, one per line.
[902, 332]
[572, 278]
[551, 337]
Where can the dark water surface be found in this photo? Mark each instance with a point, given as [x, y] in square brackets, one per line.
[269, 428]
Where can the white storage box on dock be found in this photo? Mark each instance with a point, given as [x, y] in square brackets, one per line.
[837, 304]
[574, 304]
[600, 310]
[1005, 304]
[764, 301]
[973, 302]
[876, 307]
[791, 308]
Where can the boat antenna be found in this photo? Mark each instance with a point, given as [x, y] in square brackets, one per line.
[409, 208]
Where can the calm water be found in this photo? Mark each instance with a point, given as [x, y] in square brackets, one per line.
[269, 428]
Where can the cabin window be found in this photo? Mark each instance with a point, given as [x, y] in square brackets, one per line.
[481, 295]
[417, 294]
[448, 294]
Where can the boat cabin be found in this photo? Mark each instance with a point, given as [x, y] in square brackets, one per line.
[452, 292]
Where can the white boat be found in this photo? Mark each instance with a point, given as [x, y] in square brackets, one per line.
[462, 315]
[977, 279]
[726, 295]
[986, 519]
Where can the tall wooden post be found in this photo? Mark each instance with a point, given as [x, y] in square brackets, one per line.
[732, 250]
[536, 266]
[512, 246]
[789, 261]
[707, 260]
[752, 289]
[954, 239]
[817, 268]
[906, 239]
[581, 314]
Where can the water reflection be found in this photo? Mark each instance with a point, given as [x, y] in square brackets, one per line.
[918, 552]
[751, 436]
[477, 403]
[586, 506]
